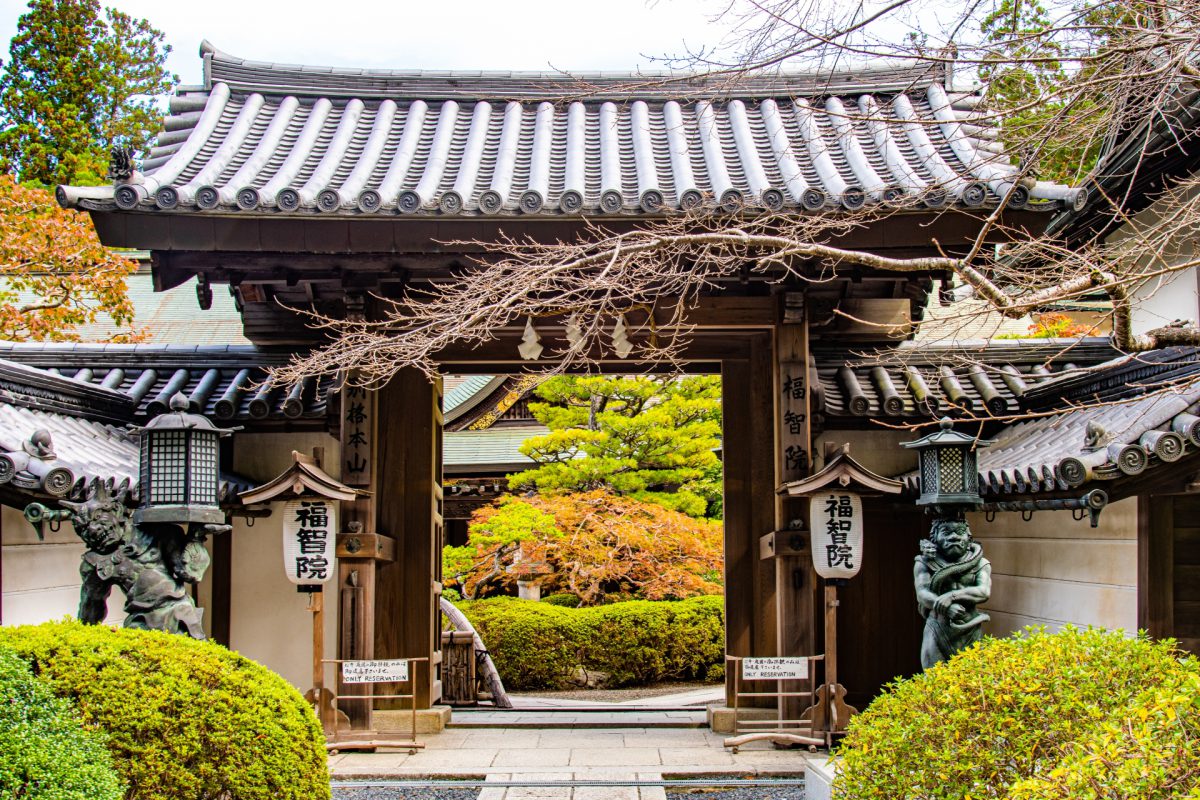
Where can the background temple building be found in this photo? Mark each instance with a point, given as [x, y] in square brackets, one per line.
[298, 187]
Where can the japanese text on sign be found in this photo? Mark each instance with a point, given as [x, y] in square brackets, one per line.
[309, 529]
[764, 669]
[356, 436]
[836, 524]
[374, 671]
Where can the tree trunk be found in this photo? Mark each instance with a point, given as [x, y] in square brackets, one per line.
[460, 621]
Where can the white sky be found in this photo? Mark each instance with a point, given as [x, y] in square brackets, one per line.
[574, 35]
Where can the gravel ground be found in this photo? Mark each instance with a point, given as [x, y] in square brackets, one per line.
[747, 793]
[618, 695]
[380, 793]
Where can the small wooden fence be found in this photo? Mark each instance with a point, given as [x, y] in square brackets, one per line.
[798, 692]
[372, 739]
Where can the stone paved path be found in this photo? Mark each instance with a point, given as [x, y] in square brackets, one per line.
[634, 753]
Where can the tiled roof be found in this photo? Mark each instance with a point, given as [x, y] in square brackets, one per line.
[48, 454]
[1134, 414]
[225, 382]
[918, 380]
[271, 139]
[1077, 447]
[494, 448]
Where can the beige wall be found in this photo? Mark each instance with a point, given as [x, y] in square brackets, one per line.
[1055, 570]
[269, 619]
[41, 579]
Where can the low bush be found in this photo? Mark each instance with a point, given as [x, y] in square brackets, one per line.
[1038, 716]
[183, 719]
[562, 599]
[46, 753]
[540, 646]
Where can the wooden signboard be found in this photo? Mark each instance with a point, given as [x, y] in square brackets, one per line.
[767, 669]
[387, 671]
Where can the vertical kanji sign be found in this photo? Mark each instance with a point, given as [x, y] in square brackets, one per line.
[794, 428]
[309, 531]
[836, 522]
[358, 405]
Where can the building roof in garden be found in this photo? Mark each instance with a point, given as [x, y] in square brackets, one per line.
[270, 139]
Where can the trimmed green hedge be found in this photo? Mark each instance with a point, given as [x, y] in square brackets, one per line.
[185, 720]
[46, 753]
[540, 646]
[1075, 715]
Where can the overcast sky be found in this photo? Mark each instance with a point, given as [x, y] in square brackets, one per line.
[572, 35]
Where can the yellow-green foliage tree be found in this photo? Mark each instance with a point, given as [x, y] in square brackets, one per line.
[54, 273]
[598, 546]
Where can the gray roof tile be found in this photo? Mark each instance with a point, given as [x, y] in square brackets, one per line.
[301, 140]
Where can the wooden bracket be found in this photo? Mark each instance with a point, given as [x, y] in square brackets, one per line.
[366, 545]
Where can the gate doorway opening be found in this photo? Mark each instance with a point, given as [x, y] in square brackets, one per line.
[583, 537]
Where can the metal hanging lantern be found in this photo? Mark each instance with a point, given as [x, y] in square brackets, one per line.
[949, 467]
[179, 471]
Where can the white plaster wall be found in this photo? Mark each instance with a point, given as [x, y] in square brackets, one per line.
[269, 620]
[1162, 300]
[1055, 570]
[41, 578]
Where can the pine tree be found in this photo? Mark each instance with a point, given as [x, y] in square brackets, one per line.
[78, 82]
[653, 439]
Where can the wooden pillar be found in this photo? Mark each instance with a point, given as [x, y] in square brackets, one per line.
[796, 580]
[748, 409]
[1156, 560]
[409, 509]
[221, 574]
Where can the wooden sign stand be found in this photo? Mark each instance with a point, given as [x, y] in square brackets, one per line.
[305, 478]
[829, 711]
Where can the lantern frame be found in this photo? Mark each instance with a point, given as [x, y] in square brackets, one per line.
[948, 467]
[179, 467]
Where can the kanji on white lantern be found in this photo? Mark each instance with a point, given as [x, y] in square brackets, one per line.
[836, 522]
[309, 533]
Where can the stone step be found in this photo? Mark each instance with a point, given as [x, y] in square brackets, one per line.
[576, 719]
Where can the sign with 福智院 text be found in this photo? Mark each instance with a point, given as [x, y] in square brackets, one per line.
[309, 531]
[765, 669]
[391, 671]
[836, 522]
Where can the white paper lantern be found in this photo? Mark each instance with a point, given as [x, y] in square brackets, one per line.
[309, 534]
[835, 519]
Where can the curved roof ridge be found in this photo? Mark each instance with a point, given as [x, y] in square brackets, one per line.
[243, 74]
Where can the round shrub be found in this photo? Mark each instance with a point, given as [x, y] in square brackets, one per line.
[562, 599]
[534, 645]
[1075, 714]
[184, 719]
[540, 646]
[46, 753]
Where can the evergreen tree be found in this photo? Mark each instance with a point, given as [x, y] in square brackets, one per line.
[78, 81]
[655, 439]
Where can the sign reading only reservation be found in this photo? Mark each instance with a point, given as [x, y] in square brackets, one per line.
[375, 671]
[764, 669]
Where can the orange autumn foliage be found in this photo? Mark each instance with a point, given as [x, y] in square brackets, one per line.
[594, 545]
[54, 273]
